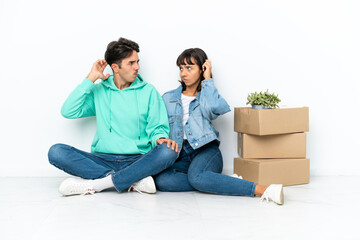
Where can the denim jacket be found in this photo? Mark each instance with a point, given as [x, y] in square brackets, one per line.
[207, 106]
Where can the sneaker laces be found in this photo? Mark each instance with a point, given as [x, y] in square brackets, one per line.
[265, 196]
[134, 189]
[90, 191]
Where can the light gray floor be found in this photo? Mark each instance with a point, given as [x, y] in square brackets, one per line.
[31, 208]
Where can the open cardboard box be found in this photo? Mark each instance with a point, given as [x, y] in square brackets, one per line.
[271, 171]
[271, 121]
[292, 145]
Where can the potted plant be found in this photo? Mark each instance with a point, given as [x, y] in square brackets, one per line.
[263, 100]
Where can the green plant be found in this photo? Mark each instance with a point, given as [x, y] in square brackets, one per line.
[265, 99]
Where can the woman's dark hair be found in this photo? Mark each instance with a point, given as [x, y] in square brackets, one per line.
[199, 56]
[116, 51]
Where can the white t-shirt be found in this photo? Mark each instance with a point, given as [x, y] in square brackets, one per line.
[185, 100]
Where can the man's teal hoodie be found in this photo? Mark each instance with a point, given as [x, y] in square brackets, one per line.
[129, 121]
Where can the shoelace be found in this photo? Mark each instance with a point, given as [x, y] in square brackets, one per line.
[135, 189]
[264, 197]
[90, 191]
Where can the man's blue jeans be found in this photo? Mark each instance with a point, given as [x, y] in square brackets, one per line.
[200, 170]
[125, 169]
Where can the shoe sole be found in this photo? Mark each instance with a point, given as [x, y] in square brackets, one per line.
[281, 197]
[63, 188]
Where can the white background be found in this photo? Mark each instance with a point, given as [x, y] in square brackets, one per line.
[306, 51]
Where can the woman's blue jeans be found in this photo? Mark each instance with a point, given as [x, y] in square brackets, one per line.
[124, 169]
[200, 169]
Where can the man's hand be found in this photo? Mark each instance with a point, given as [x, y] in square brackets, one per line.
[206, 67]
[173, 144]
[97, 71]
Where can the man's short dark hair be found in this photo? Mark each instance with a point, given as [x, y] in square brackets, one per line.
[116, 51]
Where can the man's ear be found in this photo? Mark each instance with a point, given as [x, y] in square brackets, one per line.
[115, 67]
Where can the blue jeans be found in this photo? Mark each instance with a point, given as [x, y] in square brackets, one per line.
[200, 169]
[124, 169]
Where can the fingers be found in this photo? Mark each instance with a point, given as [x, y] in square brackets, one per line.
[105, 77]
[169, 143]
[101, 63]
[175, 146]
[159, 141]
[206, 65]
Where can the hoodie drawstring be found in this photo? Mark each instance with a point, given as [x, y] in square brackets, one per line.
[138, 113]
[109, 108]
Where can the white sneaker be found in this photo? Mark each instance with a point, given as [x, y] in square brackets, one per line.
[235, 175]
[146, 185]
[74, 186]
[274, 193]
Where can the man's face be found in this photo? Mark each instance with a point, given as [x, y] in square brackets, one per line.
[129, 68]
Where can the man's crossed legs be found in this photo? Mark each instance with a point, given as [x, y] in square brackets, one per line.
[103, 171]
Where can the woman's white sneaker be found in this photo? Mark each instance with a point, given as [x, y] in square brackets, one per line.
[146, 185]
[236, 176]
[274, 193]
[75, 186]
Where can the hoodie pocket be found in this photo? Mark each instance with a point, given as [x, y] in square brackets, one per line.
[118, 146]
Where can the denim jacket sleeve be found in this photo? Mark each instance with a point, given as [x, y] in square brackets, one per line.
[212, 104]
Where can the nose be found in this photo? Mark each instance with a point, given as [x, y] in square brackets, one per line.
[182, 74]
[137, 66]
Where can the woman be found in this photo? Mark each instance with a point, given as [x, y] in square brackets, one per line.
[191, 107]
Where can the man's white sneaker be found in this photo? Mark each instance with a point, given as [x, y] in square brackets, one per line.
[274, 193]
[74, 186]
[146, 185]
[236, 176]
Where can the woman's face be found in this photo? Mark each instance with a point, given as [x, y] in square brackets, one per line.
[190, 74]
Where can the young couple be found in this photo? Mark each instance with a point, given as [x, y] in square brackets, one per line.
[144, 141]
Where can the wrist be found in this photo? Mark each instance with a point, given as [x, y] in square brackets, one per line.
[91, 77]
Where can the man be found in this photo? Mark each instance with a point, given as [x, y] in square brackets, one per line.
[131, 143]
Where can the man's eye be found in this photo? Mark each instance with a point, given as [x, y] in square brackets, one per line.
[189, 68]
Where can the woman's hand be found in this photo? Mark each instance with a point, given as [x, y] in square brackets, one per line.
[173, 144]
[97, 71]
[206, 67]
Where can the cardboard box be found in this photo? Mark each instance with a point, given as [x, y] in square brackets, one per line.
[271, 121]
[270, 171]
[291, 145]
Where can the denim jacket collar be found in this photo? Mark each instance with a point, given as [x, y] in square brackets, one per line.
[176, 97]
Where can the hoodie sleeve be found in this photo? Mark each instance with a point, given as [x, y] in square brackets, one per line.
[80, 102]
[157, 121]
[211, 102]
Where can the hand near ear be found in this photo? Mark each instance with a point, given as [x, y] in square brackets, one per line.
[97, 71]
[206, 67]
